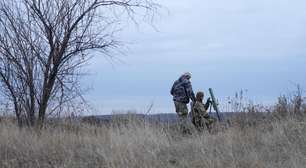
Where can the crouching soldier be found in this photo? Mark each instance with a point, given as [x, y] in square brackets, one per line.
[182, 93]
[200, 117]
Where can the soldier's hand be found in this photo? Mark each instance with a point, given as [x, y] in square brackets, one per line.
[209, 101]
[210, 120]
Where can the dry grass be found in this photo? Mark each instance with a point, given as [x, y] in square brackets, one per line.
[279, 143]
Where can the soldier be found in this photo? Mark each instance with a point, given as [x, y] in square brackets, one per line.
[182, 92]
[200, 117]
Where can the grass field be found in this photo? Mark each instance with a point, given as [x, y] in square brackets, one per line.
[249, 140]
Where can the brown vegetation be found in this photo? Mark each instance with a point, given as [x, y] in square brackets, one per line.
[278, 143]
[248, 139]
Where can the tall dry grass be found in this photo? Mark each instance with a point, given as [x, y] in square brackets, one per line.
[274, 139]
[277, 143]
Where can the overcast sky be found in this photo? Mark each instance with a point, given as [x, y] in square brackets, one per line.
[258, 45]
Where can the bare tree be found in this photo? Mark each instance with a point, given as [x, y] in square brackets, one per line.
[44, 43]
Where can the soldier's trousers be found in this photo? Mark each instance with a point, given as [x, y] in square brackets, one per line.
[182, 111]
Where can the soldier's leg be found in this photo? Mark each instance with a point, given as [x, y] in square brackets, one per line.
[182, 112]
[181, 109]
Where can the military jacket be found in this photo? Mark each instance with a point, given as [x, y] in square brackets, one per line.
[182, 91]
[199, 110]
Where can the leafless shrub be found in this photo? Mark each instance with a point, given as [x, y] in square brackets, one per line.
[292, 105]
[247, 114]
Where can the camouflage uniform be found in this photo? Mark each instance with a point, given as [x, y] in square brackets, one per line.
[200, 117]
[182, 92]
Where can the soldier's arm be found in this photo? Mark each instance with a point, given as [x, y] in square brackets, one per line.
[197, 108]
[203, 111]
[206, 106]
[172, 89]
[189, 91]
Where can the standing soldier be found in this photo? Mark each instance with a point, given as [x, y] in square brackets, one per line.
[182, 92]
[200, 117]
